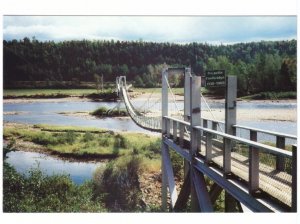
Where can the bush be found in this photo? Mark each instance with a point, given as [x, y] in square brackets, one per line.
[38, 192]
[120, 142]
[101, 111]
[88, 136]
[70, 137]
[119, 183]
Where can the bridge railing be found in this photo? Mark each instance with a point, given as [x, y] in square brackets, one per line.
[259, 161]
[280, 140]
[150, 123]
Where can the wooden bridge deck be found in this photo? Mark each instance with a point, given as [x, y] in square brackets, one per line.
[273, 182]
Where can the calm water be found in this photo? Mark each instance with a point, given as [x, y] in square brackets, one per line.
[47, 113]
[78, 171]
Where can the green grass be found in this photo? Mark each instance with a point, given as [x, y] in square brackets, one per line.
[60, 128]
[55, 93]
[31, 92]
[73, 141]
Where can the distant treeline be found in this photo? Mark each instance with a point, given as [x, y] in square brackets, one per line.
[259, 66]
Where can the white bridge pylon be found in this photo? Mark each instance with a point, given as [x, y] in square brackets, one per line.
[254, 176]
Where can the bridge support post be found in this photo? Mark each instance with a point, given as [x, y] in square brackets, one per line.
[280, 161]
[230, 120]
[164, 130]
[187, 113]
[195, 120]
[294, 179]
[253, 165]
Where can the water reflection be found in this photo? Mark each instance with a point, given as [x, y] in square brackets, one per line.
[78, 171]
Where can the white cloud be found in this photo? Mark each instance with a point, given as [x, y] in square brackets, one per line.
[151, 28]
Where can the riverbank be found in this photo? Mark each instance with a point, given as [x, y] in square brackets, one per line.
[77, 142]
[131, 148]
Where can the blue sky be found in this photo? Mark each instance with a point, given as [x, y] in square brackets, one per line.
[178, 29]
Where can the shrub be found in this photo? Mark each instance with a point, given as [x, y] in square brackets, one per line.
[120, 141]
[120, 185]
[38, 192]
[88, 136]
[70, 137]
[101, 111]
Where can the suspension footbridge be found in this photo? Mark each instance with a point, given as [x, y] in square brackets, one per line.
[255, 176]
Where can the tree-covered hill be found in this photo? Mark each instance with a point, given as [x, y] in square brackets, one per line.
[260, 66]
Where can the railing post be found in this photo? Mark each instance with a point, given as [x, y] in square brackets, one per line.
[195, 109]
[168, 127]
[204, 123]
[175, 128]
[294, 179]
[253, 165]
[230, 120]
[187, 113]
[164, 113]
[187, 75]
[181, 134]
[208, 148]
[280, 161]
[214, 126]
[195, 112]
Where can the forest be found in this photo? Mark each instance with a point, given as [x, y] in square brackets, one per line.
[260, 66]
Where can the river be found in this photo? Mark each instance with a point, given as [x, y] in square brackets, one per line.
[48, 113]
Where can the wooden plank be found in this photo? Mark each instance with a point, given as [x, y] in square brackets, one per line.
[208, 152]
[230, 203]
[201, 192]
[248, 200]
[294, 179]
[168, 131]
[169, 175]
[187, 113]
[227, 156]
[195, 110]
[275, 183]
[266, 132]
[280, 161]
[279, 185]
[175, 130]
[181, 134]
[184, 194]
[262, 147]
[253, 165]
[183, 152]
[230, 104]
[214, 192]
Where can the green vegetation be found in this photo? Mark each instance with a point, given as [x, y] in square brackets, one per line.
[80, 142]
[60, 128]
[114, 187]
[107, 94]
[260, 66]
[103, 112]
[46, 92]
[119, 183]
[37, 192]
